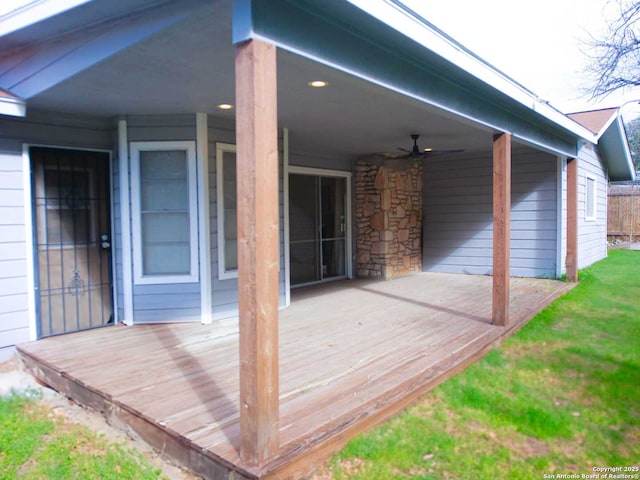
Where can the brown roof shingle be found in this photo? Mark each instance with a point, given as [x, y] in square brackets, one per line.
[594, 120]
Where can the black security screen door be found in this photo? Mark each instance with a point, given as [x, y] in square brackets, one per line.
[72, 239]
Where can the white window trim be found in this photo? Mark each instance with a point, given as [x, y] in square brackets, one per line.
[594, 199]
[190, 148]
[221, 148]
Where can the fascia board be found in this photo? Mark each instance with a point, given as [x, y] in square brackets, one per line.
[12, 105]
[606, 126]
[614, 147]
[34, 12]
[46, 65]
[398, 18]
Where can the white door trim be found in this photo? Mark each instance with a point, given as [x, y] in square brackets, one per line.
[30, 219]
[125, 223]
[204, 238]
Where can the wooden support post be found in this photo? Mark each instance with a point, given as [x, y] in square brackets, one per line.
[257, 190]
[501, 227]
[572, 220]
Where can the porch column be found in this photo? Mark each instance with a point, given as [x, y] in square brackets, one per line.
[501, 227]
[572, 220]
[257, 190]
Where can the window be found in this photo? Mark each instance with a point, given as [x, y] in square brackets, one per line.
[227, 211]
[590, 198]
[164, 212]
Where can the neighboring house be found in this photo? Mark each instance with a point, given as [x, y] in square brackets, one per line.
[123, 121]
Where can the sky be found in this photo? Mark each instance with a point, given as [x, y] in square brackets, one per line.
[537, 43]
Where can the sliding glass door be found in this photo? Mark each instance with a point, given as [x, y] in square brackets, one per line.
[317, 228]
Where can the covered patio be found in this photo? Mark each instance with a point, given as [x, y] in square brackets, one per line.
[351, 354]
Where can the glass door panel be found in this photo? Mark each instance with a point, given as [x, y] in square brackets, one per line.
[332, 200]
[333, 258]
[317, 221]
[304, 216]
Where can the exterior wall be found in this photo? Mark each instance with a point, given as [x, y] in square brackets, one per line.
[225, 291]
[314, 161]
[458, 217]
[163, 302]
[38, 128]
[388, 219]
[592, 234]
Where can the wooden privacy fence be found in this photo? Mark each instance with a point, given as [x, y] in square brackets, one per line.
[623, 218]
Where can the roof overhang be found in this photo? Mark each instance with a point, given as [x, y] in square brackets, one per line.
[33, 12]
[51, 49]
[614, 149]
[11, 105]
[393, 48]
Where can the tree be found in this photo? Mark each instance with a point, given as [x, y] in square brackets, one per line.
[633, 135]
[615, 56]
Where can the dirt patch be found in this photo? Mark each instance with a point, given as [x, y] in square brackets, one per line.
[14, 378]
[349, 467]
[529, 447]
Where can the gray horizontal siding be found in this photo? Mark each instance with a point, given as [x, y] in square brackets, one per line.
[178, 302]
[592, 234]
[458, 215]
[225, 291]
[316, 161]
[38, 128]
[224, 301]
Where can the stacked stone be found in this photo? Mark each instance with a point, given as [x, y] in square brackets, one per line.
[389, 220]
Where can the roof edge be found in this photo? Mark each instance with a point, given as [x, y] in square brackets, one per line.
[12, 105]
[34, 12]
[420, 30]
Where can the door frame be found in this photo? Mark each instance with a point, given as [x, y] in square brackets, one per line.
[30, 239]
[321, 172]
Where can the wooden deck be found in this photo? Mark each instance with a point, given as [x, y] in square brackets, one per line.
[352, 353]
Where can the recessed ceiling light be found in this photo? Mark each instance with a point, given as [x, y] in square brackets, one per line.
[428, 149]
[318, 84]
[225, 106]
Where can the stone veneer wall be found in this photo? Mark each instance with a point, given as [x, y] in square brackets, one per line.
[388, 218]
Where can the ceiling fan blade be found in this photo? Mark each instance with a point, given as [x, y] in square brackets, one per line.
[404, 150]
[442, 152]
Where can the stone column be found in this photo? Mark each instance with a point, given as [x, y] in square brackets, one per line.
[388, 218]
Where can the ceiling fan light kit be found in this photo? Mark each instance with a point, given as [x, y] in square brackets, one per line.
[416, 152]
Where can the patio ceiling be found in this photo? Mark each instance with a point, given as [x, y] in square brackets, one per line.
[189, 67]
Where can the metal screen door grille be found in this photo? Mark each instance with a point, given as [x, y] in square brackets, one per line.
[72, 240]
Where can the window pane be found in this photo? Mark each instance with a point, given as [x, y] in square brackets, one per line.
[230, 211]
[166, 259]
[590, 207]
[164, 180]
[165, 217]
[231, 255]
[165, 227]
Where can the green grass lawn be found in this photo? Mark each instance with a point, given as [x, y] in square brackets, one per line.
[560, 397]
[36, 444]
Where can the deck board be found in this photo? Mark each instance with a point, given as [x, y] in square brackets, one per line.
[351, 354]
